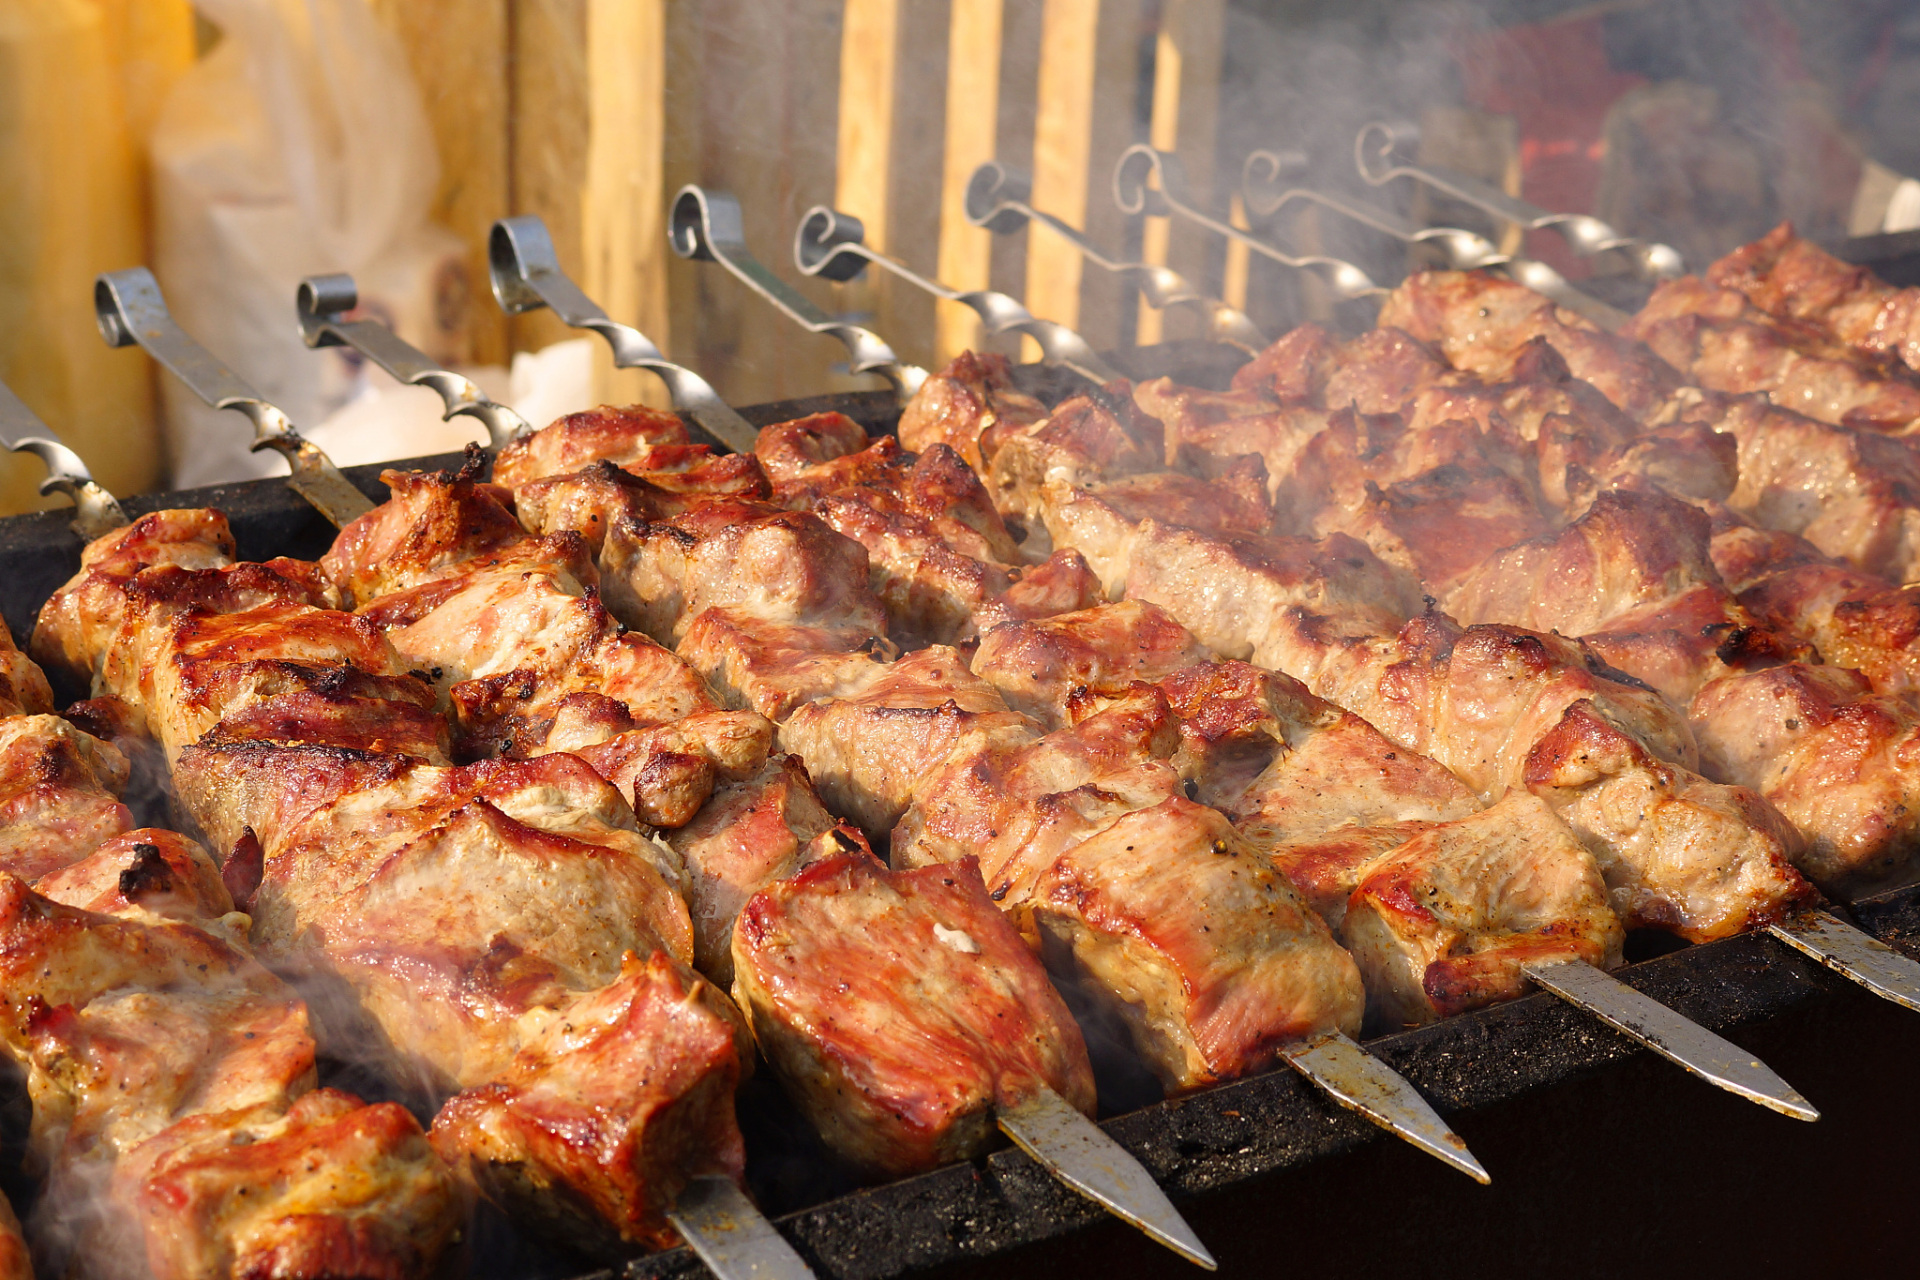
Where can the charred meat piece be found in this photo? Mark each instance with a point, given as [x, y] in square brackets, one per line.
[901, 1010]
[1840, 762]
[1487, 326]
[755, 831]
[1725, 344]
[872, 746]
[591, 500]
[1444, 922]
[435, 523]
[1039, 666]
[1101, 435]
[775, 668]
[969, 406]
[634, 434]
[1634, 577]
[1099, 520]
[59, 792]
[1169, 921]
[1794, 279]
[221, 1159]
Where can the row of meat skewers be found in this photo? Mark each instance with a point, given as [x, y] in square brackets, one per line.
[1217, 862]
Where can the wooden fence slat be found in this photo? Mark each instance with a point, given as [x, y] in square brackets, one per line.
[1088, 85]
[1185, 121]
[972, 129]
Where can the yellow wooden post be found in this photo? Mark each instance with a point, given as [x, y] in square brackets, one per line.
[972, 129]
[1185, 121]
[1083, 121]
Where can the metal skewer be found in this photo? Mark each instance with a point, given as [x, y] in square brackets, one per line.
[1674, 1037]
[998, 199]
[1265, 171]
[705, 225]
[1382, 152]
[95, 511]
[526, 276]
[1360, 1082]
[130, 309]
[1152, 182]
[1850, 951]
[731, 1235]
[1080, 1154]
[323, 302]
[831, 244]
[1061, 1140]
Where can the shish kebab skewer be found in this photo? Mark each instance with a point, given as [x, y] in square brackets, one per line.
[94, 509]
[827, 243]
[831, 245]
[1817, 933]
[998, 199]
[1261, 180]
[724, 1227]
[1381, 153]
[527, 274]
[1669, 1034]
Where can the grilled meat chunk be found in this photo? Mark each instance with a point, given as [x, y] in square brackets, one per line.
[399, 890]
[15, 1262]
[1101, 435]
[1039, 666]
[1725, 344]
[1100, 519]
[1487, 326]
[1444, 922]
[1170, 921]
[901, 1010]
[1634, 577]
[436, 523]
[1794, 279]
[969, 406]
[1840, 762]
[634, 435]
[23, 685]
[870, 747]
[174, 1109]
[58, 794]
[589, 501]
[753, 832]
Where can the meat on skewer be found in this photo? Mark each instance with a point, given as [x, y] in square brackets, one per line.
[1794, 279]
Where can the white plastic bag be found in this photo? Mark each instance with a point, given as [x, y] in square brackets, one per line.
[297, 145]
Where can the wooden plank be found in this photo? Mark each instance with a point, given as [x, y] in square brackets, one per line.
[974, 35]
[78, 85]
[1088, 85]
[458, 52]
[1185, 121]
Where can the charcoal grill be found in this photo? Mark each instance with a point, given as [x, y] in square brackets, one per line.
[1282, 1172]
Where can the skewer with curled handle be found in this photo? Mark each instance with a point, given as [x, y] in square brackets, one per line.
[998, 198]
[1152, 182]
[1261, 182]
[95, 511]
[130, 309]
[830, 244]
[704, 225]
[323, 303]
[1383, 151]
[1065, 1143]
[526, 275]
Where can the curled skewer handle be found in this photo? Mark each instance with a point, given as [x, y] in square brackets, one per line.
[95, 511]
[526, 276]
[1152, 182]
[832, 244]
[323, 303]
[1383, 151]
[705, 226]
[998, 199]
[130, 309]
[1263, 182]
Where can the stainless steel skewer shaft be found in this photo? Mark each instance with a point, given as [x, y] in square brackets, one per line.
[831, 244]
[705, 226]
[1152, 182]
[1262, 184]
[130, 309]
[1382, 151]
[526, 275]
[95, 511]
[999, 199]
[323, 303]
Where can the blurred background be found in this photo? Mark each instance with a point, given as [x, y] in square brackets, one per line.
[237, 145]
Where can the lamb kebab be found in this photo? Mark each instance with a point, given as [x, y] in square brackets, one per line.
[817, 461]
